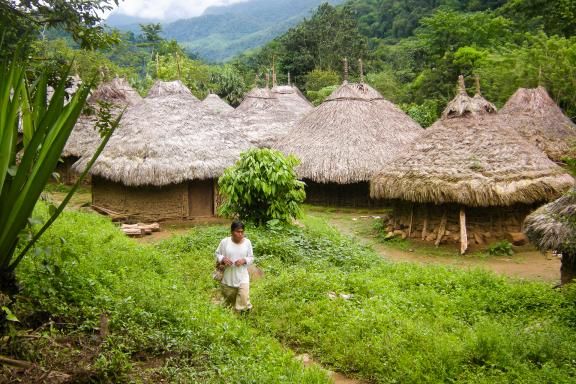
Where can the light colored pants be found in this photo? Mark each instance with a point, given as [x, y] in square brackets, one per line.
[238, 298]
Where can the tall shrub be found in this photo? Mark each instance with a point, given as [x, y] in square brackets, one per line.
[262, 186]
[27, 162]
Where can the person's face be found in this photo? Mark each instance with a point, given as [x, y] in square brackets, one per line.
[238, 235]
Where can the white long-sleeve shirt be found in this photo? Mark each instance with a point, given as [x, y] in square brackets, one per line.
[233, 275]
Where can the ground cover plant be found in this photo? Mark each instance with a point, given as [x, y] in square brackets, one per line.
[322, 294]
[388, 322]
[157, 302]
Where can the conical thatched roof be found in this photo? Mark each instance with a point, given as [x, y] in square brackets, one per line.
[263, 117]
[539, 119]
[167, 139]
[292, 99]
[176, 87]
[470, 157]
[553, 226]
[84, 138]
[352, 135]
[258, 99]
[216, 104]
[117, 91]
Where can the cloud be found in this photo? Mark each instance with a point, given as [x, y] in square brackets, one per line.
[169, 9]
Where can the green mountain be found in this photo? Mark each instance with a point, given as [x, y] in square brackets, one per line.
[225, 31]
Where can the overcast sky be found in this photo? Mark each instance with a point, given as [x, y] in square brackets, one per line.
[168, 9]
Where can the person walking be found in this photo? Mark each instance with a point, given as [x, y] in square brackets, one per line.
[235, 254]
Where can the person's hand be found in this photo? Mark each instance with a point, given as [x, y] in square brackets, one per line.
[240, 262]
[226, 261]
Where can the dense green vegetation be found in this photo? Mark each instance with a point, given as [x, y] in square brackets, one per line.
[415, 50]
[224, 31]
[262, 187]
[321, 293]
[162, 322]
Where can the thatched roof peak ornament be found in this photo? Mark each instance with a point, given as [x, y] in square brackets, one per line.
[289, 83]
[345, 70]
[274, 80]
[463, 106]
[361, 67]
[477, 81]
[462, 86]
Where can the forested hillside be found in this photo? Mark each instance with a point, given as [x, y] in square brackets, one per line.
[414, 50]
[224, 31]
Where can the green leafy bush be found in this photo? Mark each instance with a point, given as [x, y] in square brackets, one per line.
[317, 97]
[262, 186]
[501, 248]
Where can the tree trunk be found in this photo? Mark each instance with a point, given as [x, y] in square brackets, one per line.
[568, 268]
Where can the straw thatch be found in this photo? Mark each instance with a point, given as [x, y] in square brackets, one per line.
[351, 136]
[263, 118]
[292, 99]
[553, 226]
[471, 157]
[117, 92]
[166, 139]
[258, 100]
[84, 139]
[168, 88]
[216, 104]
[538, 119]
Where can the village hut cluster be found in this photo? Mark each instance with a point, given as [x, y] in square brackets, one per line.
[469, 177]
[472, 177]
[164, 160]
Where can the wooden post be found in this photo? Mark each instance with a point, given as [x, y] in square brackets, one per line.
[425, 225]
[463, 234]
[441, 228]
[411, 219]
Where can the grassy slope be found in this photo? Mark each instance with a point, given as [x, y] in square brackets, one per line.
[403, 323]
[159, 305]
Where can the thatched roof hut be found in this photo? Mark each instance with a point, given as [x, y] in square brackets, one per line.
[84, 138]
[471, 158]
[263, 117]
[553, 226]
[215, 104]
[117, 91]
[534, 114]
[349, 137]
[164, 159]
[258, 100]
[171, 88]
[292, 99]
[346, 140]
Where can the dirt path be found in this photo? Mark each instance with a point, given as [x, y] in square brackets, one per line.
[526, 263]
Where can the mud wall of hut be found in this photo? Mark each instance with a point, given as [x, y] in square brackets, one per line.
[483, 224]
[355, 195]
[67, 174]
[144, 203]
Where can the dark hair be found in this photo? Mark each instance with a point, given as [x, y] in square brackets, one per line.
[236, 224]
